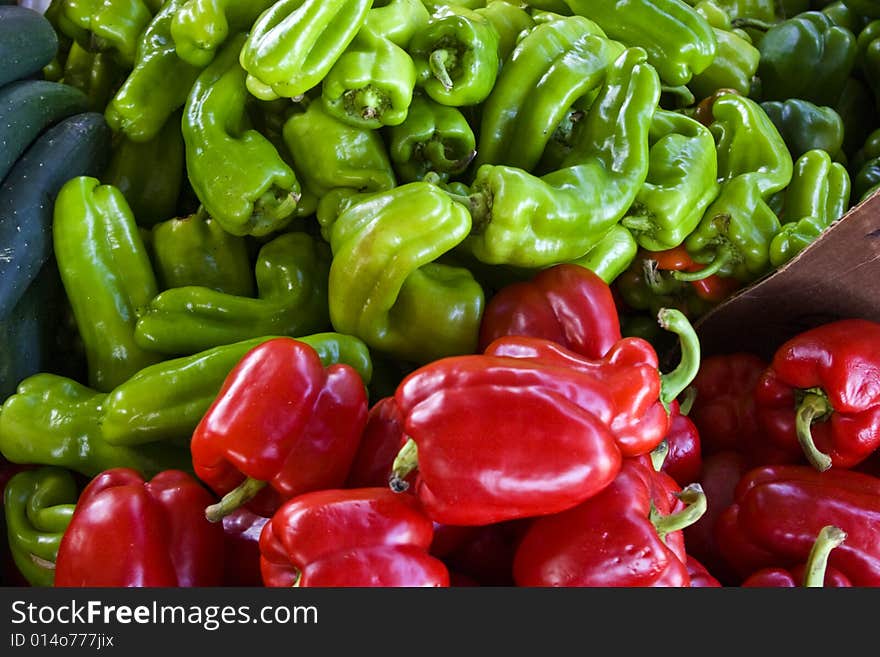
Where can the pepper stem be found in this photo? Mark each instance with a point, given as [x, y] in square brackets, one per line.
[638, 223]
[814, 406]
[659, 454]
[829, 538]
[695, 499]
[673, 383]
[687, 402]
[405, 462]
[435, 152]
[234, 499]
[437, 63]
[276, 204]
[723, 256]
[753, 23]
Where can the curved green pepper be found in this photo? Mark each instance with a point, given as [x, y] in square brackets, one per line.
[612, 255]
[805, 126]
[371, 84]
[237, 174]
[200, 27]
[107, 275]
[397, 20]
[167, 400]
[510, 19]
[433, 137]
[456, 57]
[195, 250]
[384, 285]
[149, 173]
[96, 74]
[554, 65]
[53, 420]
[734, 66]
[294, 43]
[291, 276]
[38, 505]
[681, 182]
[817, 196]
[328, 153]
[112, 26]
[523, 220]
[158, 84]
[680, 43]
[845, 16]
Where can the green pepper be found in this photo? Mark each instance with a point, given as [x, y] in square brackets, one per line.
[521, 219]
[734, 66]
[845, 16]
[807, 57]
[457, 57]
[196, 251]
[805, 126]
[868, 150]
[612, 255]
[858, 114]
[291, 276]
[680, 43]
[328, 153]
[294, 43]
[38, 504]
[868, 56]
[681, 182]
[510, 19]
[237, 174]
[107, 275]
[734, 234]
[757, 10]
[157, 86]
[149, 173]
[53, 420]
[371, 84]
[385, 286]
[97, 75]
[817, 196]
[112, 26]
[167, 400]
[644, 287]
[397, 20]
[433, 137]
[864, 7]
[200, 27]
[554, 65]
[867, 181]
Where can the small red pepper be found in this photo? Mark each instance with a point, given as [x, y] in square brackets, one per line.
[627, 535]
[700, 575]
[566, 303]
[128, 532]
[241, 530]
[814, 573]
[281, 418]
[683, 460]
[779, 510]
[709, 287]
[350, 537]
[381, 440]
[821, 394]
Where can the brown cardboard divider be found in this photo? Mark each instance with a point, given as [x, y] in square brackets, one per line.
[836, 277]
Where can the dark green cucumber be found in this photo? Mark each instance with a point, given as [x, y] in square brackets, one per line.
[27, 108]
[27, 43]
[77, 146]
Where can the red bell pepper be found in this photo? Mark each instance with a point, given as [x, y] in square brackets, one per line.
[283, 419]
[821, 394]
[627, 535]
[381, 440]
[779, 510]
[566, 303]
[485, 554]
[350, 537]
[128, 532]
[683, 459]
[706, 285]
[241, 530]
[813, 573]
[700, 575]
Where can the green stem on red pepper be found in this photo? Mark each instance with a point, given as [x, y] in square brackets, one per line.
[814, 406]
[695, 499]
[817, 563]
[676, 381]
[406, 461]
[234, 499]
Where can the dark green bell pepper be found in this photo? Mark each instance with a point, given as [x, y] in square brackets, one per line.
[805, 126]
[864, 7]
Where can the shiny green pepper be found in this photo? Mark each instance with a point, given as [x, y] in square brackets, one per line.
[107, 275]
[53, 420]
[734, 66]
[167, 400]
[397, 20]
[112, 26]
[510, 19]
[385, 286]
[681, 182]
[96, 74]
[612, 255]
[868, 56]
[291, 275]
[817, 196]
[294, 43]
[38, 504]
[805, 126]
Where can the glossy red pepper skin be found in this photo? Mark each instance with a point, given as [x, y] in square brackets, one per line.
[836, 367]
[793, 578]
[381, 440]
[566, 303]
[127, 532]
[700, 576]
[779, 510]
[281, 417]
[683, 461]
[608, 540]
[350, 537]
[241, 530]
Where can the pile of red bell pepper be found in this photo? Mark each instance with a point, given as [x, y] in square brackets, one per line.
[558, 454]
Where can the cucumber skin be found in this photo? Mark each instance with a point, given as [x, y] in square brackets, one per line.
[77, 146]
[27, 42]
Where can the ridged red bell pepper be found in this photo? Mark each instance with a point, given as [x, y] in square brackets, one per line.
[821, 394]
[779, 510]
[567, 304]
[241, 530]
[350, 537]
[814, 573]
[683, 460]
[381, 440]
[627, 535]
[128, 532]
[282, 419]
